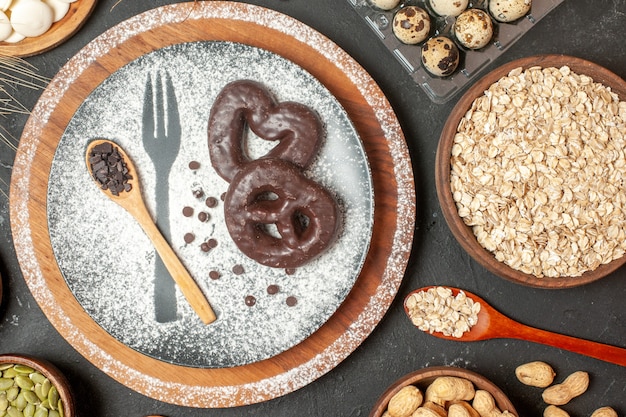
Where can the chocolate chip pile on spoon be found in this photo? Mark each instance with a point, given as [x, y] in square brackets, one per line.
[109, 169]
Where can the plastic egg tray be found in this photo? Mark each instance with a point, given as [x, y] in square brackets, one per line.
[472, 62]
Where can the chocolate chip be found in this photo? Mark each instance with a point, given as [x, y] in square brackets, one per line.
[187, 211]
[223, 196]
[272, 289]
[194, 165]
[291, 301]
[250, 300]
[290, 271]
[210, 244]
[189, 237]
[211, 202]
[238, 270]
[203, 216]
[214, 275]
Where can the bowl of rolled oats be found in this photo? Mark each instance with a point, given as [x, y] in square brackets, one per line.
[531, 171]
[443, 391]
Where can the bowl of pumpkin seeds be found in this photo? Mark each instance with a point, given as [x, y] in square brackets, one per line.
[32, 387]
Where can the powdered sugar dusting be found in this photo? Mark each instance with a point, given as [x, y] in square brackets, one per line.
[108, 261]
[328, 358]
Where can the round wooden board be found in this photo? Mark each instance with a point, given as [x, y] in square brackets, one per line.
[384, 144]
[59, 32]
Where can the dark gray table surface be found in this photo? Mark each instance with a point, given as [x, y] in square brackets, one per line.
[594, 30]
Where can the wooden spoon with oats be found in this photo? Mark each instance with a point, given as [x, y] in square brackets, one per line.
[441, 312]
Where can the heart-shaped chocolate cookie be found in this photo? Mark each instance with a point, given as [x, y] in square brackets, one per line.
[247, 104]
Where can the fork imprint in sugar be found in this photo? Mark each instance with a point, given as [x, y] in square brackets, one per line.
[161, 136]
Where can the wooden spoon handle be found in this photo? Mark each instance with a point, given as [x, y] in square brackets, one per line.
[607, 353]
[177, 270]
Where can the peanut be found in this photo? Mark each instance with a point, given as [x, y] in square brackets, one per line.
[405, 401]
[436, 408]
[604, 412]
[573, 386]
[536, 374]
[554, 411]
[485, 404]
[424, 412]
[462, 409]
[449, 388]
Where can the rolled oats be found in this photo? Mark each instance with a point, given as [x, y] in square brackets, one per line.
[538, 168]
[438, 310]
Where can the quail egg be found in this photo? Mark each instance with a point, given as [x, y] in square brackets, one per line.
[411, 25]
[473, 28]
[509, 10]
[448, 7]
[440, 56]
[385, 4]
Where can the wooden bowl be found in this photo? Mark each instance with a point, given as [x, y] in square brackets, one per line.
[424, 377]
[57, 34]
[48, 370]
[462, 232]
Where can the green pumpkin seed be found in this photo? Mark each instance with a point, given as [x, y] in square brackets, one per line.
[9, 373]
[4, 403]
[39, 393]
[60, 408]
[37, 377]
[29, 411]
[53, 398]
[6, 383]
[20, 402]
[53, 413]
[3, 413]
[14, 412]
[24, 382]
[31, 397]
[41, 412]
[5, 366]
[12, 393]
[45, 387]
[23, 369]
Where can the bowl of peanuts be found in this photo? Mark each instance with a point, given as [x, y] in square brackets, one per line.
[531, 171]
[31, 386]
[443, 391]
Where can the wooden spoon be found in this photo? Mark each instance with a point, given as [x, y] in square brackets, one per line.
[494, 325]
[133, 202]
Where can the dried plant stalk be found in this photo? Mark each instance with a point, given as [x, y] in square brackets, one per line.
[15, 73]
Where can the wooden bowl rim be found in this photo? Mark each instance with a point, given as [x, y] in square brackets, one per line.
[50, 371]
[462, 232]
[425, 376]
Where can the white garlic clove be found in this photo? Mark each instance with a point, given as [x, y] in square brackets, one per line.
[31, 18]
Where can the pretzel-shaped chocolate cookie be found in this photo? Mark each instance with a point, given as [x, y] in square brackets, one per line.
[272, 191]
